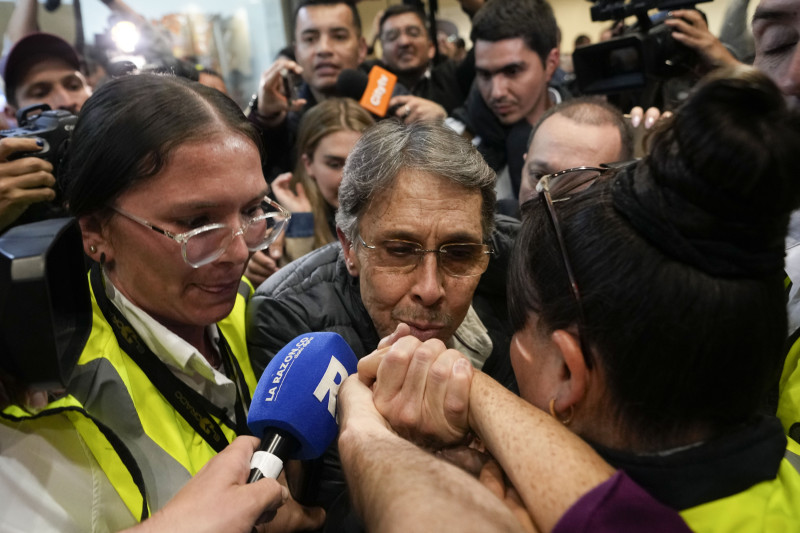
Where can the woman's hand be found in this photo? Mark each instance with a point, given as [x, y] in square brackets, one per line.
[295, 200]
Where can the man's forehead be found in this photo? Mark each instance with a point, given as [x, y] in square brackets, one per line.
[47, 68]
[561, 138]
[781, 10]
[413, 191]
[497, 54]
[324, 16]
[403, 20]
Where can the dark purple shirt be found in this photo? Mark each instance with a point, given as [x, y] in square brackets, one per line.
[619, 505]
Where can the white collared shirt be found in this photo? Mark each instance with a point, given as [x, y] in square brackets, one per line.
[184, 360]
[472, 339]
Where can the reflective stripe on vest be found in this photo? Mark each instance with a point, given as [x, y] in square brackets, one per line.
[115, 390]
[767, 506]
[789, 393]
[107, 449]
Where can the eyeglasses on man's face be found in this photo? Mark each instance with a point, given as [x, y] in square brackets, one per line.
[205, 244]
[455, 259]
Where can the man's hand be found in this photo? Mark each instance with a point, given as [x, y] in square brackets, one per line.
[415, 109]
[493, 478]
[23, 181]
[219, 498]
[291, 516]
[422, 389]
[273, 102]
[295, 200]
[689, 28]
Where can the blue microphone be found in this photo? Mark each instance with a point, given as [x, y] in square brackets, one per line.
[294, 405]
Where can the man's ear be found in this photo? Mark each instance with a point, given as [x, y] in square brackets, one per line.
[362, 49]
[431, 50]
[9, 116]
[350, 257]
[551, 63]
[575, 379]
[95, 239]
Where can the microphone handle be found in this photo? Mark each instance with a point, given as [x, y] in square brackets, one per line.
[276, 447]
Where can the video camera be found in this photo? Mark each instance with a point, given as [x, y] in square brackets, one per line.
[52, 126]
[645, 52]
[45, 308]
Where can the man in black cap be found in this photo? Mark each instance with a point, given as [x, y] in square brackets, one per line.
[44, 68]
[40, 69]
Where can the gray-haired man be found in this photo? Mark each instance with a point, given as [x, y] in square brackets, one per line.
[418, 244]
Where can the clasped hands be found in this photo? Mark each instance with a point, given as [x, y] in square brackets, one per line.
[419, 389]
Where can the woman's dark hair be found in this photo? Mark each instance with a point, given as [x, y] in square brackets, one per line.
[128, 128]
[679, 264]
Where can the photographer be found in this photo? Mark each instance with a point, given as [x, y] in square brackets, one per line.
[40, 68]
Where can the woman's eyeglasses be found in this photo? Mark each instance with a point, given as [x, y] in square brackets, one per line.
[203, 245]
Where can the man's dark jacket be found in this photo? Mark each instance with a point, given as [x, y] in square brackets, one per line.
[316, 293]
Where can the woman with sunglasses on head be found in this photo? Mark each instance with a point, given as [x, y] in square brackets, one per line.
[164, 178]
[649, 308]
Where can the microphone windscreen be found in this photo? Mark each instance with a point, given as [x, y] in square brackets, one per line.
[351, 83]
[297, 392]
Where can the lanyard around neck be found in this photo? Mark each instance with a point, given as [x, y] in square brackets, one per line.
[193, 407]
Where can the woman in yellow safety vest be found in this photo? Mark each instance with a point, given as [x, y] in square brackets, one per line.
[164, 178]
[654, 326]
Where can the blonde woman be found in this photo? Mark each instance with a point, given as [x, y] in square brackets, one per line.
[326, 136]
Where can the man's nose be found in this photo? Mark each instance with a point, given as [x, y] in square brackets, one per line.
[324, 45]
[790, 82]
[428, 286]
[498, 88]
[61, 98]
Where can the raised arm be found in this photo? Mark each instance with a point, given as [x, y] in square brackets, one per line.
[397, 486]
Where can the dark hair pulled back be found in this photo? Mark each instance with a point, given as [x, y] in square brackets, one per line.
[128, 128]
[679, 262]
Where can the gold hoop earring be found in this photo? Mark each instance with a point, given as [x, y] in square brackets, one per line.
[553, 413]
[93, 248]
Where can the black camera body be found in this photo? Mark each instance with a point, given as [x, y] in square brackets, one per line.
[644, 54]
[52, 126]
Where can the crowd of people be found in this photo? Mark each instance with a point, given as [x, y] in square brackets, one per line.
[563, 323]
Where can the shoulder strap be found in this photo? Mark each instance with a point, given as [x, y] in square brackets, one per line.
[193, 407]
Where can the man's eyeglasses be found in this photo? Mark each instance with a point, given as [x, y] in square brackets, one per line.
[456, 259]
[203, 245]
[560, 185]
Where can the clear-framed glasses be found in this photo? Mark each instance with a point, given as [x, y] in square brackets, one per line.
[203, 245]
[455, 259]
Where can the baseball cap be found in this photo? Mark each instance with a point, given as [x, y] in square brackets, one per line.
[28, 50]
[447, 27]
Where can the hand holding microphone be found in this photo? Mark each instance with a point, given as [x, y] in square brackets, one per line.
[415, 109]
[373, 91]
[380, 94]
[294, 405]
